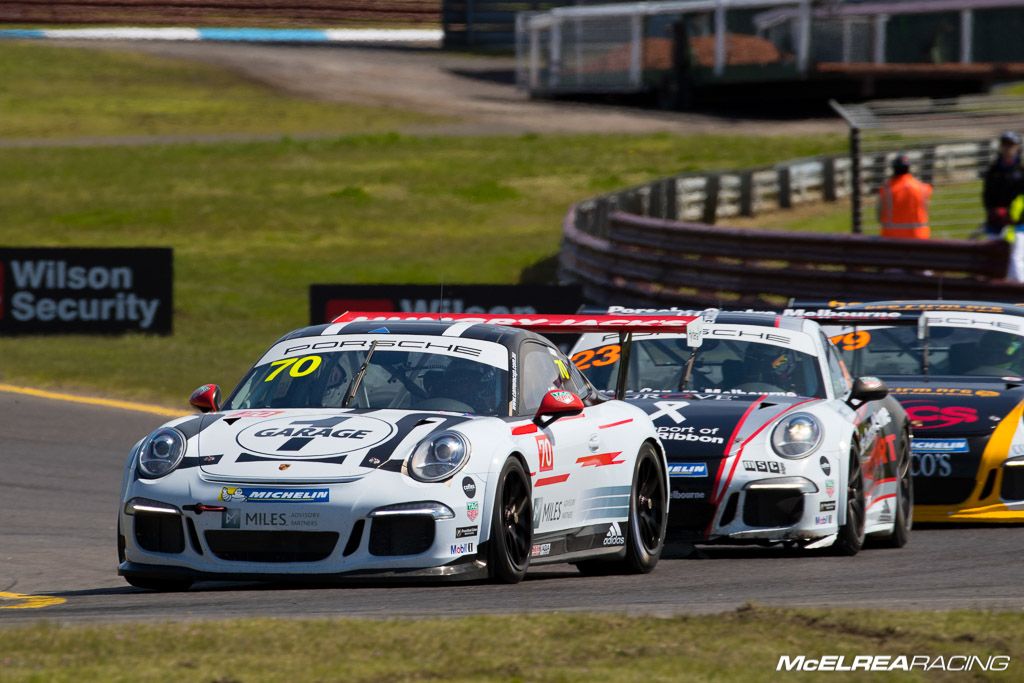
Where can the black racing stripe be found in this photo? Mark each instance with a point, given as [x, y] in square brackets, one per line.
[378, 456]
[193, 426]
[332, 460]
[201, 460]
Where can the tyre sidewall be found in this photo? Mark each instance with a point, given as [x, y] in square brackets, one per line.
[501, 566]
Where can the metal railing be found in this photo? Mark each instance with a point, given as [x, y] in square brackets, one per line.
[615, 47]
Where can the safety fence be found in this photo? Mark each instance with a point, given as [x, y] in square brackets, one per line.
[639, 260]
[219, 12]
[710, 196]
[655, 243]
[631, 46]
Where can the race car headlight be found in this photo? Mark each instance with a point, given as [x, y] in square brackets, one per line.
[161, 452]
[797, 436]
[439, 457]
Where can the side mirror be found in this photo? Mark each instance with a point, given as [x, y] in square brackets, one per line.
[868, 389]
[558, 403]
[206, 399]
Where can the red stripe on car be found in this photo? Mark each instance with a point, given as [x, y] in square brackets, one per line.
[557, 479]
[600, 460]
[616, 424]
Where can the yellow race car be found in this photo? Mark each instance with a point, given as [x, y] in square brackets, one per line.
[957, 367]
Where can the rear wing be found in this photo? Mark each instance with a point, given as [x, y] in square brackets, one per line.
[580, 323]
[542, 324]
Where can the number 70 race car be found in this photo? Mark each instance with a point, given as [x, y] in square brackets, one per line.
[385, 447]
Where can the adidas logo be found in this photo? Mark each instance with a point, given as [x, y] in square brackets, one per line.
[885, 508]
[614, 535]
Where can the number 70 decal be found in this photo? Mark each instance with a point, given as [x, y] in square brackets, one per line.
[297, 367]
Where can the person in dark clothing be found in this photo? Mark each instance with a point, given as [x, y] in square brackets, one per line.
[1004, 180]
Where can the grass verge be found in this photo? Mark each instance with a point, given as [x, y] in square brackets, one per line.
[52, 91]
[743, 646]
[254, 224]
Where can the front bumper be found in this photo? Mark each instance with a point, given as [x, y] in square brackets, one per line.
[189, 527]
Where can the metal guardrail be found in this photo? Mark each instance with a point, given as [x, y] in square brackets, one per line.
[620, 47]
[710, 196]
[654, 243]
[644, 261]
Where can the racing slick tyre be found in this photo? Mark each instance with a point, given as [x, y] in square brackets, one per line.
[903, 520]
[508, 552]
[160, 585]
[648, 520]
[851, 535]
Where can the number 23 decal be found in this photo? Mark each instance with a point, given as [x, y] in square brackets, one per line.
[606, 355]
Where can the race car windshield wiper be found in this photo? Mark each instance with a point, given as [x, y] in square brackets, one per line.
[353, 387]
[689, 368]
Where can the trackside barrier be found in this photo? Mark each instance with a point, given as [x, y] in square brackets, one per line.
[638, 260]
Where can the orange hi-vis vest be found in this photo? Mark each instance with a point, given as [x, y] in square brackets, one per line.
[903, 208]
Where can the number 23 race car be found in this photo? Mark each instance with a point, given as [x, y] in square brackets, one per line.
[768, 439]
[398, 448]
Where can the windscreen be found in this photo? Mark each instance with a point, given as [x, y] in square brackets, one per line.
[941, 350]
[659, 363]
[465, 376]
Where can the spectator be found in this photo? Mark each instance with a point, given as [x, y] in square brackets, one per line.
[1004, 180]
[903, 203]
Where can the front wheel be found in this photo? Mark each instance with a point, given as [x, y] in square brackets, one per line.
[648, 520]
[508, 552]
[851, 534]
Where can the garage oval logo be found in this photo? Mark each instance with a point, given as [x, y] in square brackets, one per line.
[313, 436]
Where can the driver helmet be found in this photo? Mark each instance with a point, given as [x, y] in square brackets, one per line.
[770, 364]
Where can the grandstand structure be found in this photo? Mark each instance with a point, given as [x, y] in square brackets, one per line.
[684, 49]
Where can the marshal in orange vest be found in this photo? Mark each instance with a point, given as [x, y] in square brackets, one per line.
[903, 207]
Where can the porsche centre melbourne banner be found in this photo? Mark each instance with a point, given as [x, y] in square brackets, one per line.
[327, 302]
[85, 291]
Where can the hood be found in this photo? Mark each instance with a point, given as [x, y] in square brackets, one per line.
[955, 406]
[699, 425]
[293, 446]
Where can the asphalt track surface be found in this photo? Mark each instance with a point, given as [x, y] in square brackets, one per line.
[60, 466]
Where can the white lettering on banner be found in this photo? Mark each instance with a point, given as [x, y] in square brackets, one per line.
[459, 306]
[57, 275]
[25, 306]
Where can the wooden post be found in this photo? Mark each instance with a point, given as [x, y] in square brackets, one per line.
[711, 185]
[856, 210]
[785, 187]
[747, 193]
[828, 184]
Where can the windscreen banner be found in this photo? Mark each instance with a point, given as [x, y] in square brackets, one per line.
[86, 291]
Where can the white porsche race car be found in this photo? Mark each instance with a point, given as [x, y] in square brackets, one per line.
[768, 439]
[400, 448]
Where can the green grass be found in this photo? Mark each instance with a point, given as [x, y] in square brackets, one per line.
[744, 645]
[253, 225]
[58, 92]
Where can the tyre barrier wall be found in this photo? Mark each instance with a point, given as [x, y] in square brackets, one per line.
[640, 260]
[218, 12]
